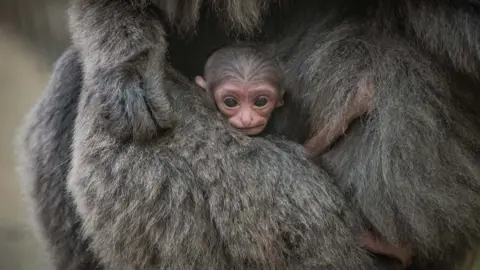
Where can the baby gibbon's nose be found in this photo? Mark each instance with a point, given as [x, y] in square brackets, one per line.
[246, 119]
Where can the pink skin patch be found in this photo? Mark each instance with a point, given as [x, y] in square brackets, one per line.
[379, 245]
[248, 106]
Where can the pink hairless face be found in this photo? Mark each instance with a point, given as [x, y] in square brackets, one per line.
[248, 106]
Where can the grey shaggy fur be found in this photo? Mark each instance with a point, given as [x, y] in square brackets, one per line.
[155, 174]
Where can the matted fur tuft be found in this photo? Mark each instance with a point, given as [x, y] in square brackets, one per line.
[237, 15]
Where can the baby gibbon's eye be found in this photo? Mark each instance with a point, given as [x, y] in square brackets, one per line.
[230, 102]
[261, 102]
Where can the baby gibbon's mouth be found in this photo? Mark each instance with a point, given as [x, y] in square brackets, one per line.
[252, 127]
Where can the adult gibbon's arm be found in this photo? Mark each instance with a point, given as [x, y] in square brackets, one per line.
[412, 165]
[122, 48]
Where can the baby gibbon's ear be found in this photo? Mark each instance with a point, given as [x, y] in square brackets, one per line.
[201, 82]
[280, 101]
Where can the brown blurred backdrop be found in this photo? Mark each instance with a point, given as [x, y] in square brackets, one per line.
[23, 74]
[32, 35]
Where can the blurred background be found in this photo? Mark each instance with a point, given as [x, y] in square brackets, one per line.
[33, 34]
